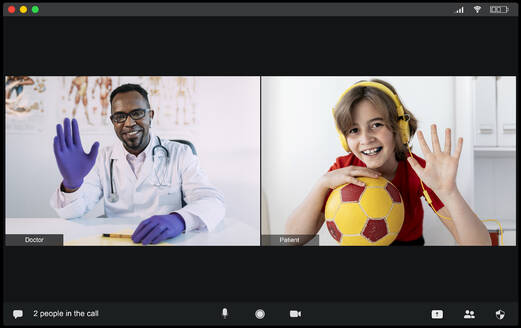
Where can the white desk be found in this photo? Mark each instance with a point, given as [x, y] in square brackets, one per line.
[87, 232]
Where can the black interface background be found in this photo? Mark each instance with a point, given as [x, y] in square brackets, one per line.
[260, 46]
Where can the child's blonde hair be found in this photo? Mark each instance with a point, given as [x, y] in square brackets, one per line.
[384, 104]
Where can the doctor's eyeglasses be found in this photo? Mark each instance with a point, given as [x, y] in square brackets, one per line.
[121, 117]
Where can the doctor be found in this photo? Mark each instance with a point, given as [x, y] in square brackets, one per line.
[143, 176]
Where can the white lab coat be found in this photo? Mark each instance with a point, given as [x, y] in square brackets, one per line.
[142, 197]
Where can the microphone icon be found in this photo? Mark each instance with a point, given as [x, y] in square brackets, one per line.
[225, 313]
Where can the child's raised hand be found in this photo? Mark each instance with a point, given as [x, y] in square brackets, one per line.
[441, 167]
[348, 174]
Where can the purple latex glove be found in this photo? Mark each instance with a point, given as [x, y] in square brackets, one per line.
[73, 162]
[157, 228]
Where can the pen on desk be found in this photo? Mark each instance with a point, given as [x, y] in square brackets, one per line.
[116, 235]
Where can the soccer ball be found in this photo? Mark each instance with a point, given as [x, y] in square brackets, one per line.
[365, 216]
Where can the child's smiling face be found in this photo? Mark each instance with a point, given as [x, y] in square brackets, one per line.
[370, 139]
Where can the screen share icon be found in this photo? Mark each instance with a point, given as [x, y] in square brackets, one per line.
[437, 314]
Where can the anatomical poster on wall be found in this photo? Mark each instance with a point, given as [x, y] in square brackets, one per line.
[32, 101]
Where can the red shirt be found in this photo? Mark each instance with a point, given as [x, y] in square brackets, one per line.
[409, 186]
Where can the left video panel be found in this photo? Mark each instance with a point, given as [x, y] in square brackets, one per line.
[132, 160]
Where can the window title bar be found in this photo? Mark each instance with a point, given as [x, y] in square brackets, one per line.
[260, 9]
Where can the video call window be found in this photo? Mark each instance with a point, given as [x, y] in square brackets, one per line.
[253, 139]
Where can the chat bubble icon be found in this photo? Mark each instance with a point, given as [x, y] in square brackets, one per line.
[18, 314]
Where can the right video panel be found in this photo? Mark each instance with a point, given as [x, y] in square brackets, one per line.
[379, 160]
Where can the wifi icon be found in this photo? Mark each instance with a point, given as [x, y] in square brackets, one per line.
[477, 9]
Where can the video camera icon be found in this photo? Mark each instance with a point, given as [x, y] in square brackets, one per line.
[295, 314]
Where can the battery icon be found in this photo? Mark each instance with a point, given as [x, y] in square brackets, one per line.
[498, 9]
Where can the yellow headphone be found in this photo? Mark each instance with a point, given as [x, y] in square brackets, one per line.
[403, 126]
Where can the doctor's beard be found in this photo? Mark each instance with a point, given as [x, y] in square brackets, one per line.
[137, 141]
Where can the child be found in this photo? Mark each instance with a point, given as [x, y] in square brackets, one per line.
[376, 133]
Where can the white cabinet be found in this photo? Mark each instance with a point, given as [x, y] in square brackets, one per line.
[495, 111]
[485, 111]
[506, 111]
[509, 238]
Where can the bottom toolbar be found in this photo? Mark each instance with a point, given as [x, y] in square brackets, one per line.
[262, 313]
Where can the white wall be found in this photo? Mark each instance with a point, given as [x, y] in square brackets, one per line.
[228, 142]
[299, 141]
[227, 139]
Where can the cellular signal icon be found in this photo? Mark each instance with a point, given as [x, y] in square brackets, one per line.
[477, 9]
[460, 10]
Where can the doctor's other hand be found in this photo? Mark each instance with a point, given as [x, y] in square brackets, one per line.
[157, 228]
[73, 162]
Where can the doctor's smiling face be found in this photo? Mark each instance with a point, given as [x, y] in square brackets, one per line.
[134, 108]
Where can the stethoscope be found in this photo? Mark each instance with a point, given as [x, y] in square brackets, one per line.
[114, 196]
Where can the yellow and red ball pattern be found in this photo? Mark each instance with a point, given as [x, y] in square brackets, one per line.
[365, 216]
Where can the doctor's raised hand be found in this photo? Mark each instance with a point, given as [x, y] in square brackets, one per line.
[74, 164]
